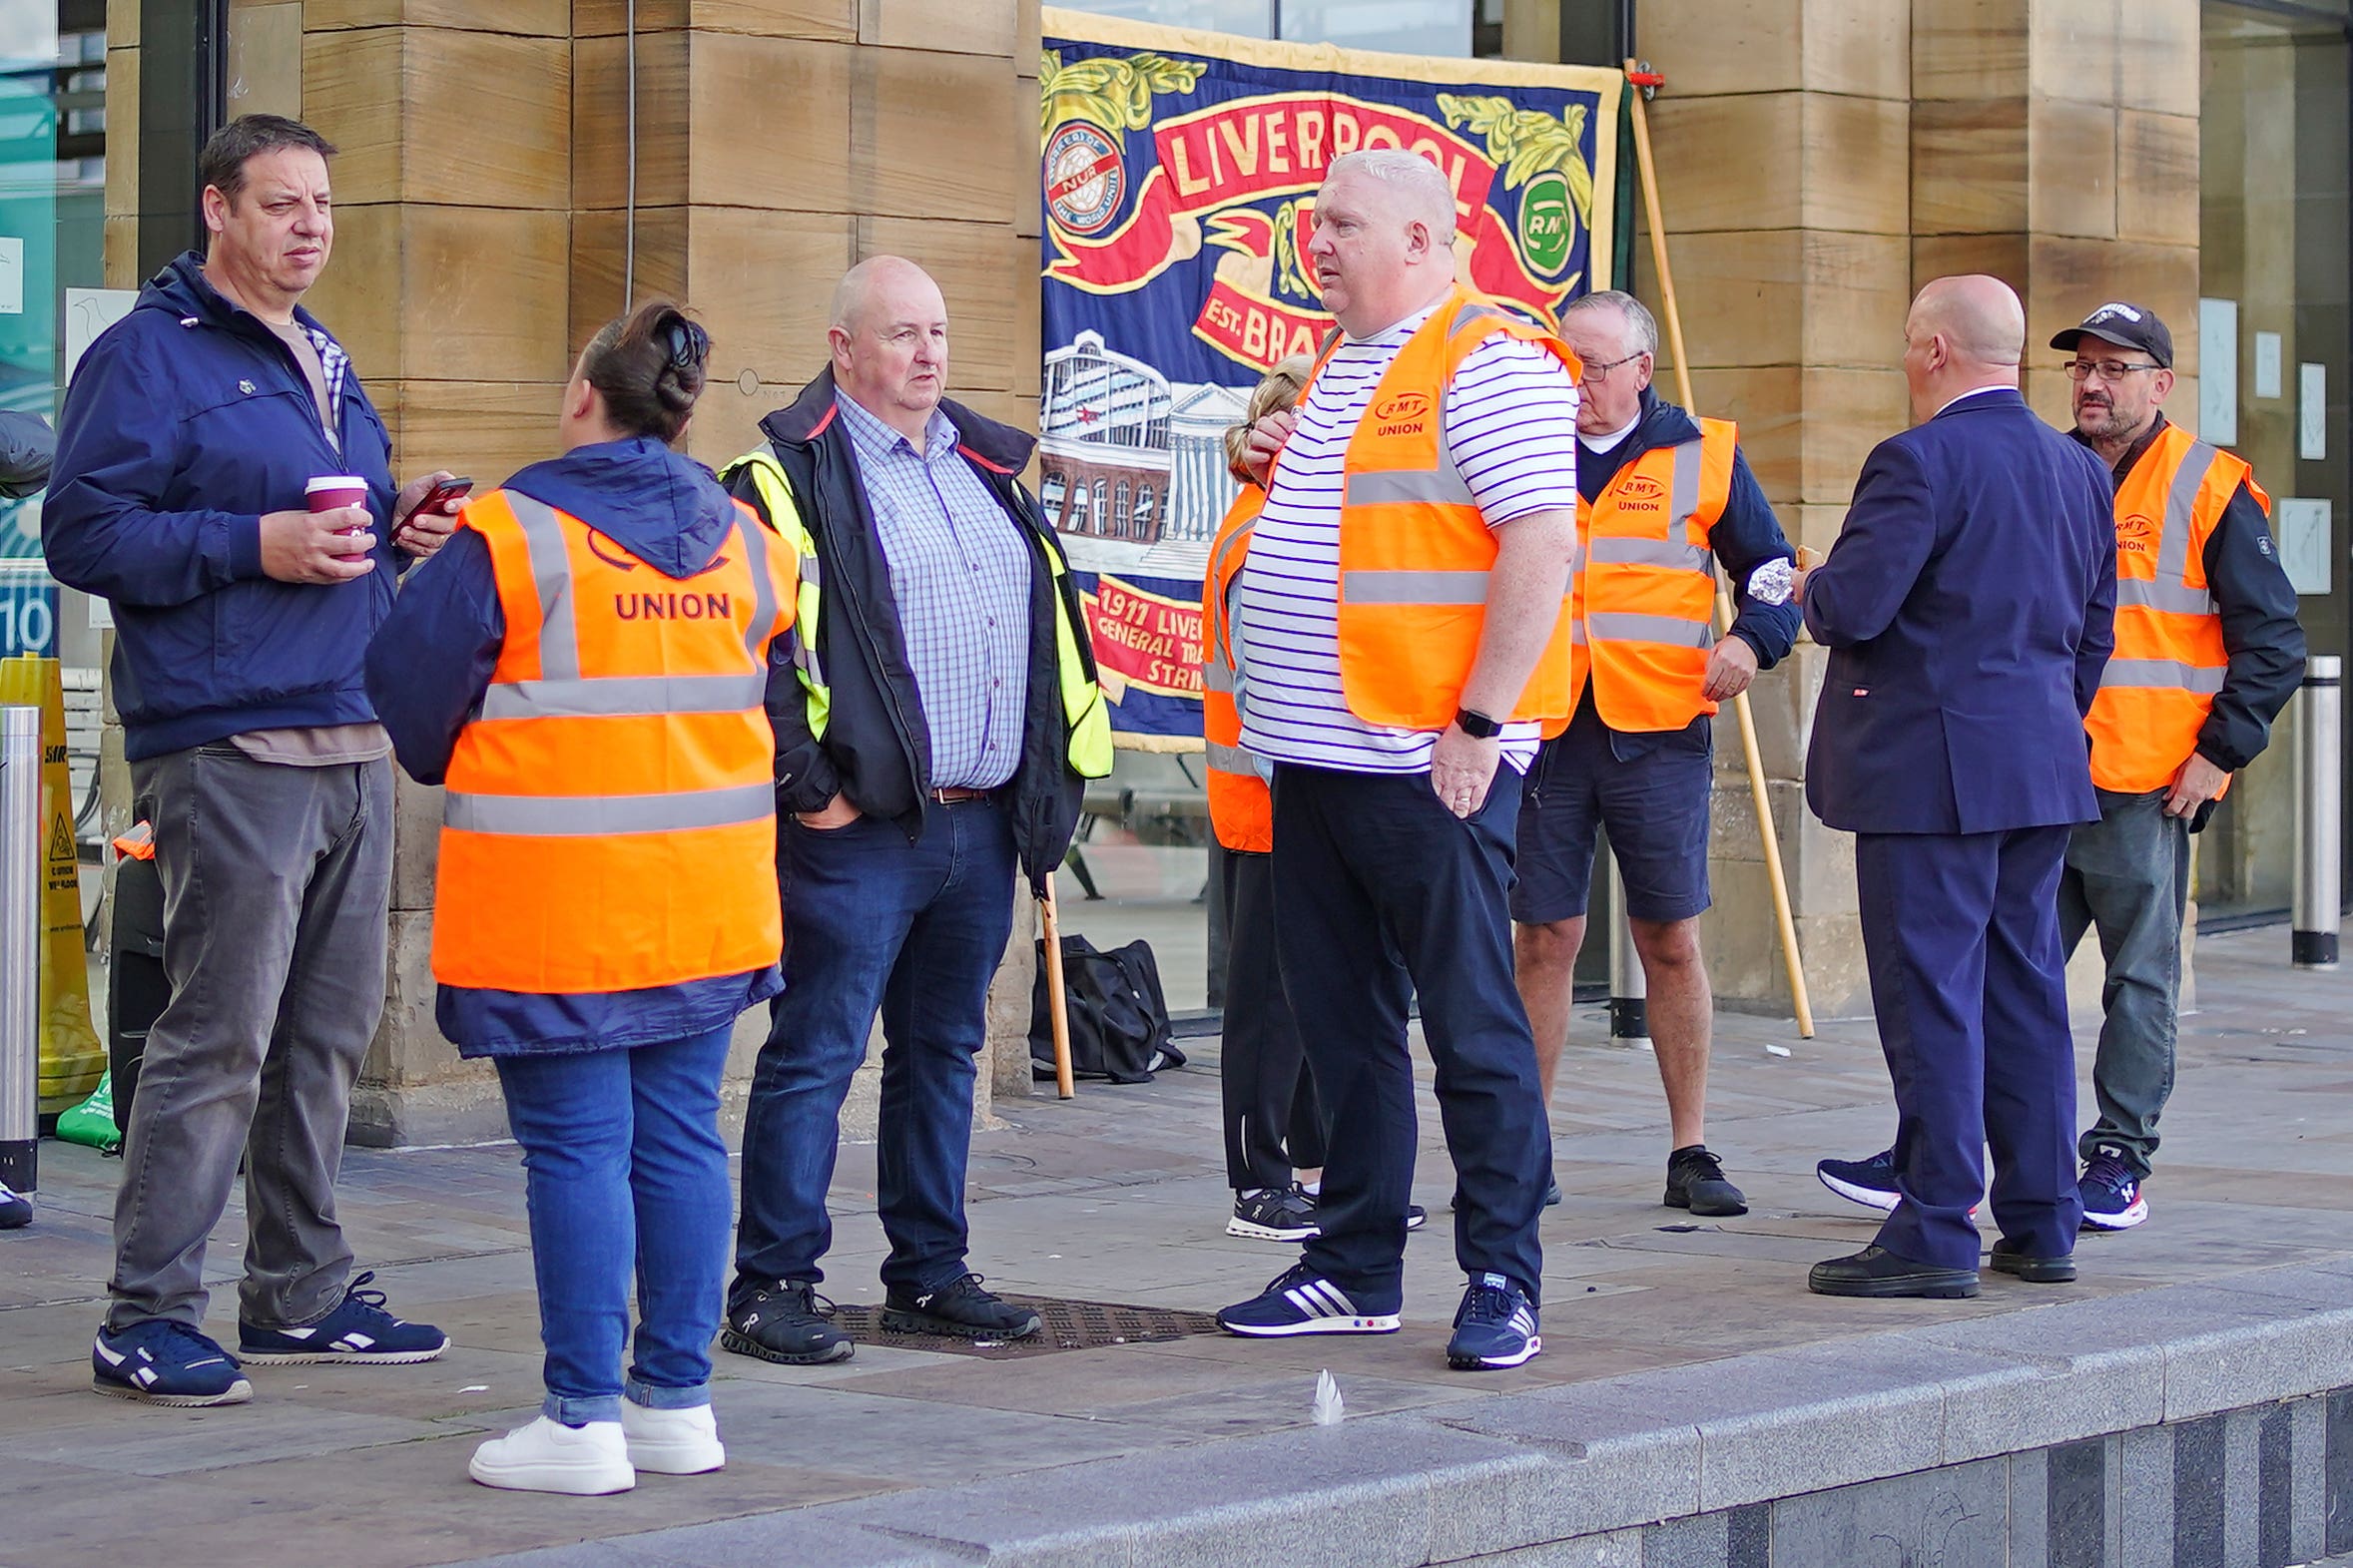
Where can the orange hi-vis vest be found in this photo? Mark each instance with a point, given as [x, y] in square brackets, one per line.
[609, 821]
[2168, 663]
[1647, 583]
[1241, 806]
[1414, 553]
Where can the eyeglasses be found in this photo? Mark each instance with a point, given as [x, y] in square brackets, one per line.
[2105, 369]
[1600, 373]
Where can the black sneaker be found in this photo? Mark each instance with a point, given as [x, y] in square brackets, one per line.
[1274, 1213]
[959, 1307]
[15, 1208]
[1695, 1180]
[787, 1323]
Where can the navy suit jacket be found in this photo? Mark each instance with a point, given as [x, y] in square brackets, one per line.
[1969, 606]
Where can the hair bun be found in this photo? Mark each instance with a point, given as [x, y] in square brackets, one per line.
[686, 342]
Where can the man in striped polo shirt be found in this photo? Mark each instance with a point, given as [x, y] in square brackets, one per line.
[1450, 500]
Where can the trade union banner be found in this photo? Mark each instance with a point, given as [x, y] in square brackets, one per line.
[1179, 175]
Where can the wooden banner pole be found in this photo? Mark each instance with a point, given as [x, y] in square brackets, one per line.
[1057, 1001]
[1748, 724]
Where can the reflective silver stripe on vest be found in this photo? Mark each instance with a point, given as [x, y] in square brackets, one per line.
[1218, 676]
[2165, 675]
[1616, 626]
[2172, 598]
[1232, 760]
[1471, 311]
[1417, 588]
[1434, 486]
[626, 696]
[763, 591]
[1683, 499]
[1616, 550]
[551, 571]
[2180, 509]
[602, 815]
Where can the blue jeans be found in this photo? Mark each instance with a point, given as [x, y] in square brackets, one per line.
[625, 1172]
[916, 931]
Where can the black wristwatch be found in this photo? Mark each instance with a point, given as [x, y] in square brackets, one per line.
[1476, 724]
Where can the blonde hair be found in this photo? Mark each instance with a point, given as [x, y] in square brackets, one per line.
[1274, 394]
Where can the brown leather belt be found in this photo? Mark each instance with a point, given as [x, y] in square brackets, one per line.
[957, 796]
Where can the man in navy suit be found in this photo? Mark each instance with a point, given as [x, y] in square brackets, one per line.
[1968, 607]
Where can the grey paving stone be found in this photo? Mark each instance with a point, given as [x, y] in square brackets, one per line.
[1695, 1541]
[1813, 1426]
[1993, 1403]
[2144, 1466]
[2091, 1383]
[1617, 1549]
[175, 1443]
[2296, 1353]
[2242, 1487]
[2200, 1491]
[765, 1541]
[1615, 1453]
[2029, 1508]
[2308, 1518]
[1951, 1518]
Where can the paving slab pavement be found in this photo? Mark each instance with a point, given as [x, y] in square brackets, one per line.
[1119, 1196]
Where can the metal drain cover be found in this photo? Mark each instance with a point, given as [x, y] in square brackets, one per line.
[1068, 1326]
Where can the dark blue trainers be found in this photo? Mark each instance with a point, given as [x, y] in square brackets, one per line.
[2112, 1193]
[357, 1331]
[1494, 1326]
[1871, 1183]
[16, 1210]
[1299, 1300]
[167, 1364]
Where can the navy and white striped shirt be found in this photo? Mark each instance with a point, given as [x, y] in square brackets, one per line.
[960, 571]
[1510, 428]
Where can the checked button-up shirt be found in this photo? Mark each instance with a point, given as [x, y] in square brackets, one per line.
[960, 571]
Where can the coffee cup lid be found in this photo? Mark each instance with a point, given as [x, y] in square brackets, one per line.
[334, 482]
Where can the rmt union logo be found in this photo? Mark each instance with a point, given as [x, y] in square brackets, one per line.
[2136, 534]
[1403, 414]
[1642, 493]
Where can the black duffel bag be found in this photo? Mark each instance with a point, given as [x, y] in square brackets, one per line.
[1118, 1014]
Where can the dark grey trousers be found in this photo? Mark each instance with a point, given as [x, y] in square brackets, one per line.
[2127, 877]
[277, 881]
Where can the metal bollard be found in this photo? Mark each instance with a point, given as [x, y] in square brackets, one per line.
[1629, 1009]
[20, 946]
[2320, 813]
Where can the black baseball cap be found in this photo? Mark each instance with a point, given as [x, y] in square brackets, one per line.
[2127, 325]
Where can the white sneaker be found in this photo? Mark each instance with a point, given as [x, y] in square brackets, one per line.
[672, 1443]
[549, 1456]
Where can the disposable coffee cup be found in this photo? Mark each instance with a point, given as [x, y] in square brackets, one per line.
[330, 491]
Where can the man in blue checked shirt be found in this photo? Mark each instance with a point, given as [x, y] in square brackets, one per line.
[941, 714]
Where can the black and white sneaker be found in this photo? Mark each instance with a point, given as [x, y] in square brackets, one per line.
[1274, 1213]
[1495, 1328]
[960, 1308]
[787, 1323]
[16, 1210]
[1299, 1300]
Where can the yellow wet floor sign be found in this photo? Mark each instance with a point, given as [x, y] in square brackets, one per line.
[72, 1057]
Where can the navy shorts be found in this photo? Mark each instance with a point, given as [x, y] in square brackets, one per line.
[1649, 792]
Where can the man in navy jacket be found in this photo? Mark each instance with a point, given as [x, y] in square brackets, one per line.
[1968, 607]
[191, 432]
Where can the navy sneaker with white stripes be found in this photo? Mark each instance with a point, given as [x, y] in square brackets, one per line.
[167, 1364]
[1494, 1326]
[16, 1208]
[1300, 1301]
[357, 1331]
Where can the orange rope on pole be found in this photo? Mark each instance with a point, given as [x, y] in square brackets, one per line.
[1638, 80]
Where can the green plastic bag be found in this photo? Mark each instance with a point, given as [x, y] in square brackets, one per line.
[93, 1121]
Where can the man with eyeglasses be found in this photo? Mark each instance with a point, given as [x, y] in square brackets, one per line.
[2207, 653]
[1662, 498]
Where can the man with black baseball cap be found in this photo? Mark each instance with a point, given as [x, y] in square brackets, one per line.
[2207, 653]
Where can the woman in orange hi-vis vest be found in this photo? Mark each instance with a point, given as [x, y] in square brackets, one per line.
[1271, 1131]
[584, 668]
